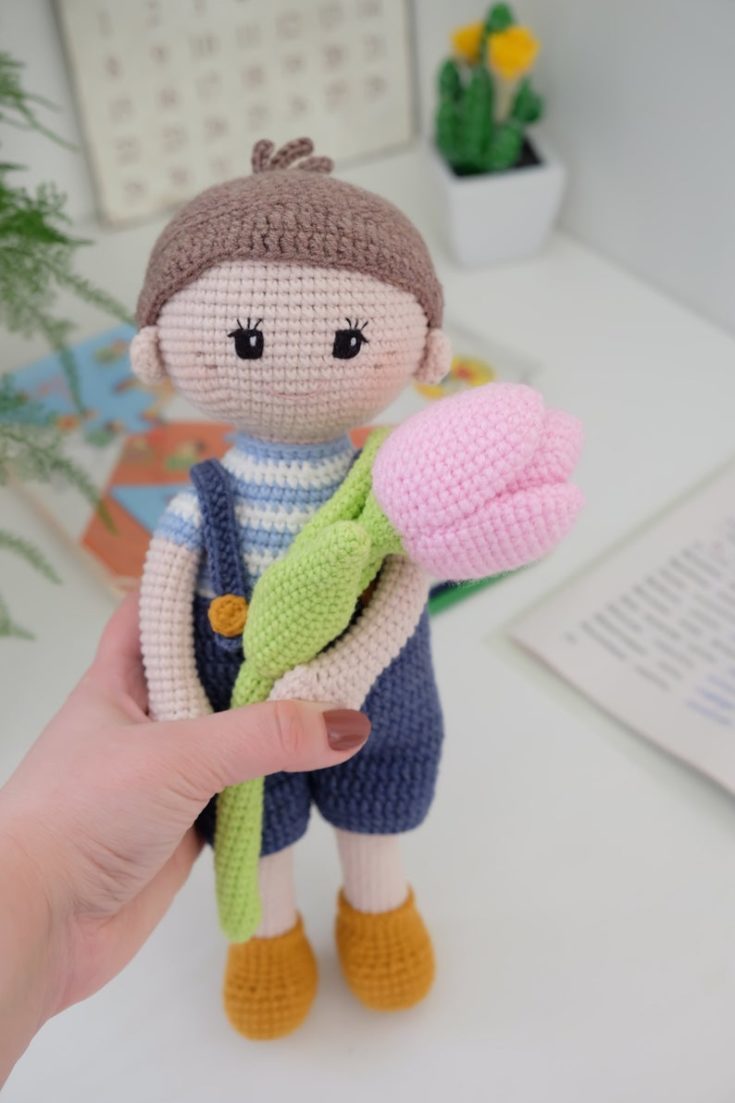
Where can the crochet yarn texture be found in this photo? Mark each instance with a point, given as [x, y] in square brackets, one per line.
[387, 958]
[512, 458]
[302, 603]
[270, 984]
[477, 484]
[289, 210]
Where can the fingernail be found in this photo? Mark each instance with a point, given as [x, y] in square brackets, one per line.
[346, 729]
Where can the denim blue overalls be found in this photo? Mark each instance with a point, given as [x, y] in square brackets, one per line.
[385, 789]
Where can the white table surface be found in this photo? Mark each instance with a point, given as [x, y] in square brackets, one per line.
[578, 883]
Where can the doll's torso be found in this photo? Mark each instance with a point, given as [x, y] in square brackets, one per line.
[272, 491]
[275, 489]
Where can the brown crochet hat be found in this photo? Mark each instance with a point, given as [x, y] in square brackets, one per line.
[289, 211]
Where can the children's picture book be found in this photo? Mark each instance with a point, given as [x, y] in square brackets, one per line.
[648, 633]
[137, 444]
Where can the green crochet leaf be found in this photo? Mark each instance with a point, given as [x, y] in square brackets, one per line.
[506, 147]
[528, 105]
[476, 121]
[499, 18]
[449, 80]
[306, 599]
[447, 126]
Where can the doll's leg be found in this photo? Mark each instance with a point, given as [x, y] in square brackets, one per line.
[383, 945]
[277, 893]
[271, 980]
[372, 871]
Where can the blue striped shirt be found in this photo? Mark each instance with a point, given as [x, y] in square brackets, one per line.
[277, 488]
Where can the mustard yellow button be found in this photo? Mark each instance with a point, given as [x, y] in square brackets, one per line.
[228, 614]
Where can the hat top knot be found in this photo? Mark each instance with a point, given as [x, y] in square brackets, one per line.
[290, 210]
[263, 158]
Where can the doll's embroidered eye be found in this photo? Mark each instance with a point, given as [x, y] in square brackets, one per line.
[248, 339]
[348, 342]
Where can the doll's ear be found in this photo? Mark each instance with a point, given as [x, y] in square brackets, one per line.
[145, 356]
[437, 358]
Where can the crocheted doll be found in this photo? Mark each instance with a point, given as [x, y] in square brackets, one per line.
[297, 307]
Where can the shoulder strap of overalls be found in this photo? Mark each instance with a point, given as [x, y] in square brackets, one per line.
[219, 526]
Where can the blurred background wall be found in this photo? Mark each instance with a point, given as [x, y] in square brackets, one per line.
[640, 97]
[640, 104]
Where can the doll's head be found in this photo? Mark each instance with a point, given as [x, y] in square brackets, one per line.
[290, 303]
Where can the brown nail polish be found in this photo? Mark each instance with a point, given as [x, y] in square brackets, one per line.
[346, 729]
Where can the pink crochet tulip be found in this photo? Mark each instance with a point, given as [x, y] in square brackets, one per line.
[477, 484]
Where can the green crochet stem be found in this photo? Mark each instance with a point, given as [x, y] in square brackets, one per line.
[299, 605]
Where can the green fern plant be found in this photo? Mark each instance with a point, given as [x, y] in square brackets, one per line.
[37, 254]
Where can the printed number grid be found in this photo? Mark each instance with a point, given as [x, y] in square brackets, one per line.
[172, 94]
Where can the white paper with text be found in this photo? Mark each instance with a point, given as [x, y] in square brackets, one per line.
[648, 633]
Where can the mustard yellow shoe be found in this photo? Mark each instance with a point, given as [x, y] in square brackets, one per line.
[386, 957]
[270, 984]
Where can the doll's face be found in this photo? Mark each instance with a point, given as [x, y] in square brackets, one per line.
[289, 352]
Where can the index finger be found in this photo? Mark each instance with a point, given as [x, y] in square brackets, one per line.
[118, 661]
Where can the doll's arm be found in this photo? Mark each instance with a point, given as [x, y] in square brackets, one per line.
[166, 621]
[345, 673]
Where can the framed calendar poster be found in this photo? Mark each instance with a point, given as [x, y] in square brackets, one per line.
[172, 94]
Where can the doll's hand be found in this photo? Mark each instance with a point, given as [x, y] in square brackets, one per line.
[346, 672]
[96, 824]
[314, 681]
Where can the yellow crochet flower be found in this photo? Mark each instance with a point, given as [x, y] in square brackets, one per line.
[511, 53]
[466, 42]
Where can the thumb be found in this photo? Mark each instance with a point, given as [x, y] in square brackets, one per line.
[225, 748]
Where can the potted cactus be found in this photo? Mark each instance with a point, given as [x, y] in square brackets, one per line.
[500, 187]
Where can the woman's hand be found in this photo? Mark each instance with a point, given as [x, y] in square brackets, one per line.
[96, 824]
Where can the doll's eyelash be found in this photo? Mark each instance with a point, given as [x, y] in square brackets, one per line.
[244, 329]
[359, 328]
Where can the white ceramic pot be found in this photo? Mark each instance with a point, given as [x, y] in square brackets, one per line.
[501, 216]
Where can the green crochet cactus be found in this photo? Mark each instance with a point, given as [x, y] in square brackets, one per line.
[475, 131]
